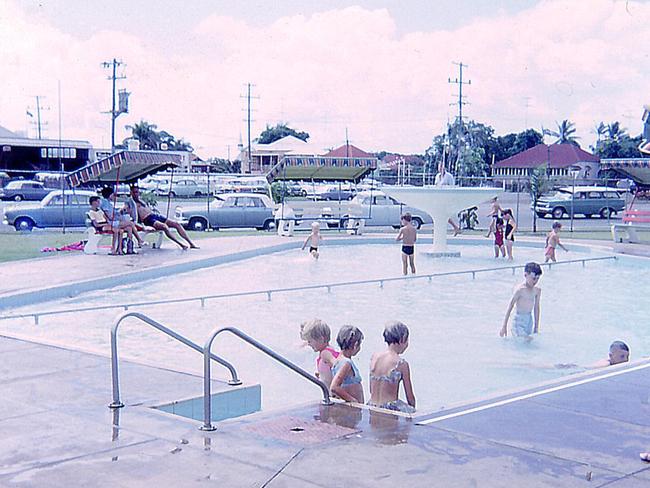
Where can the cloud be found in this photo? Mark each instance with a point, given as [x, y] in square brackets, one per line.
[338, 69]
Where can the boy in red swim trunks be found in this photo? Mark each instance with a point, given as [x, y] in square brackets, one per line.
[553, 241]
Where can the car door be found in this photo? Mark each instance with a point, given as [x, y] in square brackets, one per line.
[51, 214]
[256, 212]
[75, 210]
[229, 214]
[381, 210]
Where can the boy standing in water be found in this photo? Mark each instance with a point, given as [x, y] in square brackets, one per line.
[408, 236]
[526, 300]
[315, 239]
[553, 241]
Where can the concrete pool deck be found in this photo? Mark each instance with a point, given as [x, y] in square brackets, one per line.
[56, 430]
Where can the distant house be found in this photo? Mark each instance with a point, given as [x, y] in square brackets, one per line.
[559, 159]
[23, 155]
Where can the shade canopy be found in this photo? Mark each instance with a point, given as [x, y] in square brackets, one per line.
[124, 167]
[636, 168]
[320, 168]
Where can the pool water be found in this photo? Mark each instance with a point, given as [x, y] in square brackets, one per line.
[455, 352]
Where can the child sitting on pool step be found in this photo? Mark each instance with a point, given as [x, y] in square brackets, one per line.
[317, 335]
[347, 380]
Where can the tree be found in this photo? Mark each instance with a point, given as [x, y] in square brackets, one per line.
[219, 165]
[566, 133]
[616, 142]
[152, 139]
[272, 134]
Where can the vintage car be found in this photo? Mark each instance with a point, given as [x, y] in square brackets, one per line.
[228, 210]
[51, 211]
[181, 188]
[584, 200]
[19, 190]
[379, 209]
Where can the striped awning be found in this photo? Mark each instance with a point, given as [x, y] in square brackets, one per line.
[321, 168]
[124, 167]
[625, 163]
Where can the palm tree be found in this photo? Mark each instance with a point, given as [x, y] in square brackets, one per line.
[600, 129]
[615, 131]
[146, 133]
[566, 130]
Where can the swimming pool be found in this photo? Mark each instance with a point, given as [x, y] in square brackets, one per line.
[455, 353]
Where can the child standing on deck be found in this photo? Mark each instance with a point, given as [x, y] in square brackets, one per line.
[526, 301]
[408, 236]
[317, 335]
[553, 241]
[388, 370]
[498, 238]
[347, 380]
[495, 210]
[315, 239]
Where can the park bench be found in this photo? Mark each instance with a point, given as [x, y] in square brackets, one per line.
[288, 218]
[633, 221]
[94, 237]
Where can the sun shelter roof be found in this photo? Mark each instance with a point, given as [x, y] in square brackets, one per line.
[321, 168]
[125, 167]
[637, 168]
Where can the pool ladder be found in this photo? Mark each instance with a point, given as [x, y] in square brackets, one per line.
[207, 358]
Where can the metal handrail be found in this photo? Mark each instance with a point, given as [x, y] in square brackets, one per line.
[207, 398]
[234, 380]
[270, 291]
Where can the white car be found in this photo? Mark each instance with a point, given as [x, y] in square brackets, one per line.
[381, 210]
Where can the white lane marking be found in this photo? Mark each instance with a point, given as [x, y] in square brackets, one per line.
[531, 395]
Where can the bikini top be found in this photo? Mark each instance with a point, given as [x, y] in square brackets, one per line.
[393, 376]
[354, 378]
[328, 348]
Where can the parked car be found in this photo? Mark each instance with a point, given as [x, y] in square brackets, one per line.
[337, 194]
[19, 190]
[181, 188]
[49, 212]
[228, 210]
[289, 189]
[245, 185]
[585, 200]
[384, 210]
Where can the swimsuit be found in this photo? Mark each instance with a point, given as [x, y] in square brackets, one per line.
[153, 218]
[394, 376]
[498, 237]
[313, 249]
[549, 251]
[408, 250]
[522, 324]
[354, 378]
[509, 228]
[328, 348]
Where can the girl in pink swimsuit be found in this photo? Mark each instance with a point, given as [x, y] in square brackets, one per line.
[317, 335]
[498, 238]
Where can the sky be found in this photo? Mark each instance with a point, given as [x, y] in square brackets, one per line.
[378, 69]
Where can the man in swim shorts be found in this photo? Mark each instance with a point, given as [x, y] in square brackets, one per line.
[157, 221]
[408, 236]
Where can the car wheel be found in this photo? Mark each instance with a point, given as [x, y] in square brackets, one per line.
[198, 224]
[558, 212]
[24, 224]
[268, 224]
[587, 216]
[606, 212]
[18, 198]
[541, 215]
[172, 194]
[198, 194]
[416, 222]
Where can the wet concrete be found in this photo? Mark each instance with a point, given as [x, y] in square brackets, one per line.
[56, 430]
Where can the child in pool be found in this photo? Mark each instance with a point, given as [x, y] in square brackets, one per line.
[408, 236]
[526, 300]
[553, 241]
[347, 381]
[317, 335]
[315, 237]
[499, 247]
[388, 369]
[511, 227]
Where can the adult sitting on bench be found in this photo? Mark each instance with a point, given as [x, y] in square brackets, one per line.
[100, 224]
[158, 222]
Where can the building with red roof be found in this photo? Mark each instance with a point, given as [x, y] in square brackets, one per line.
[348, 151]
[558, 158]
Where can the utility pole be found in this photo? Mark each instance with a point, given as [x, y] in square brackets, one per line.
[39, 109]
[459, 81]
[347, 144]
[123, 103]
[248, 122]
